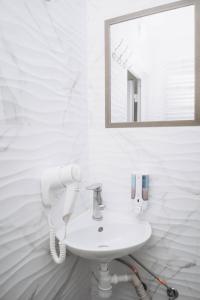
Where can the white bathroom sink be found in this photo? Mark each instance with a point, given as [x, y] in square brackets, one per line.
[115, 236]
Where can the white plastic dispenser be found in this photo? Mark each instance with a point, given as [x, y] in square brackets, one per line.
[140, 191]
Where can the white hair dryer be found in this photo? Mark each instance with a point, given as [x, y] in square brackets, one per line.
[67, 177]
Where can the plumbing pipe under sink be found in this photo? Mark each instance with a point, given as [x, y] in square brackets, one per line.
[106, 280]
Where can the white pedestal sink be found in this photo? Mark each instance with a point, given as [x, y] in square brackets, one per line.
[114, 236]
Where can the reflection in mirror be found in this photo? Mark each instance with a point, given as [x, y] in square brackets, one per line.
[133, 98]
[152, 67]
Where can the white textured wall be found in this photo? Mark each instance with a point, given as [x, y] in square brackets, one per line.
[43, 122]
[43, 116]
[170, 155]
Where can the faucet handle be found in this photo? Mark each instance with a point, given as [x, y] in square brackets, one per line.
[96, 187]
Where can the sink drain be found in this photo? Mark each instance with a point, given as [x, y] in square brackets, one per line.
[100, 229]
[103, 246]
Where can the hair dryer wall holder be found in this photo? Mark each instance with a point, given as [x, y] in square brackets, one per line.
[67, 177]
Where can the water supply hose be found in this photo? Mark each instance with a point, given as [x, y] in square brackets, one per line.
[59, 259]
[137, 283]
[133, 269]
[139, 288]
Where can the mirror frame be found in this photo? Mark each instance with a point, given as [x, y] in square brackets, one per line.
[138, 14]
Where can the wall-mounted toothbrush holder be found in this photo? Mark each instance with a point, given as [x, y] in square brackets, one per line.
[140, 191]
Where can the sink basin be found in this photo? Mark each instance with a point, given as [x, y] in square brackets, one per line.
[115, 236]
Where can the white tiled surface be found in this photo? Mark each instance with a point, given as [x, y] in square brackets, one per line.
[170, 155]
[44, 121]
[43, 118]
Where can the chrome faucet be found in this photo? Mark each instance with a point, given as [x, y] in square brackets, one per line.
[97, 201]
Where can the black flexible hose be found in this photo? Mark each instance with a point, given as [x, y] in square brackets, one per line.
[125, 263]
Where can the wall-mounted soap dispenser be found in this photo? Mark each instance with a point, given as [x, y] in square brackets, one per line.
[140, 191]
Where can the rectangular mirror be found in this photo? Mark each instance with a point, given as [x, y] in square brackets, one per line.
[152, 63]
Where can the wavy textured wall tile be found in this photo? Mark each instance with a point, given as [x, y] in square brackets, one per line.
[43, 122]
[170, 155]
